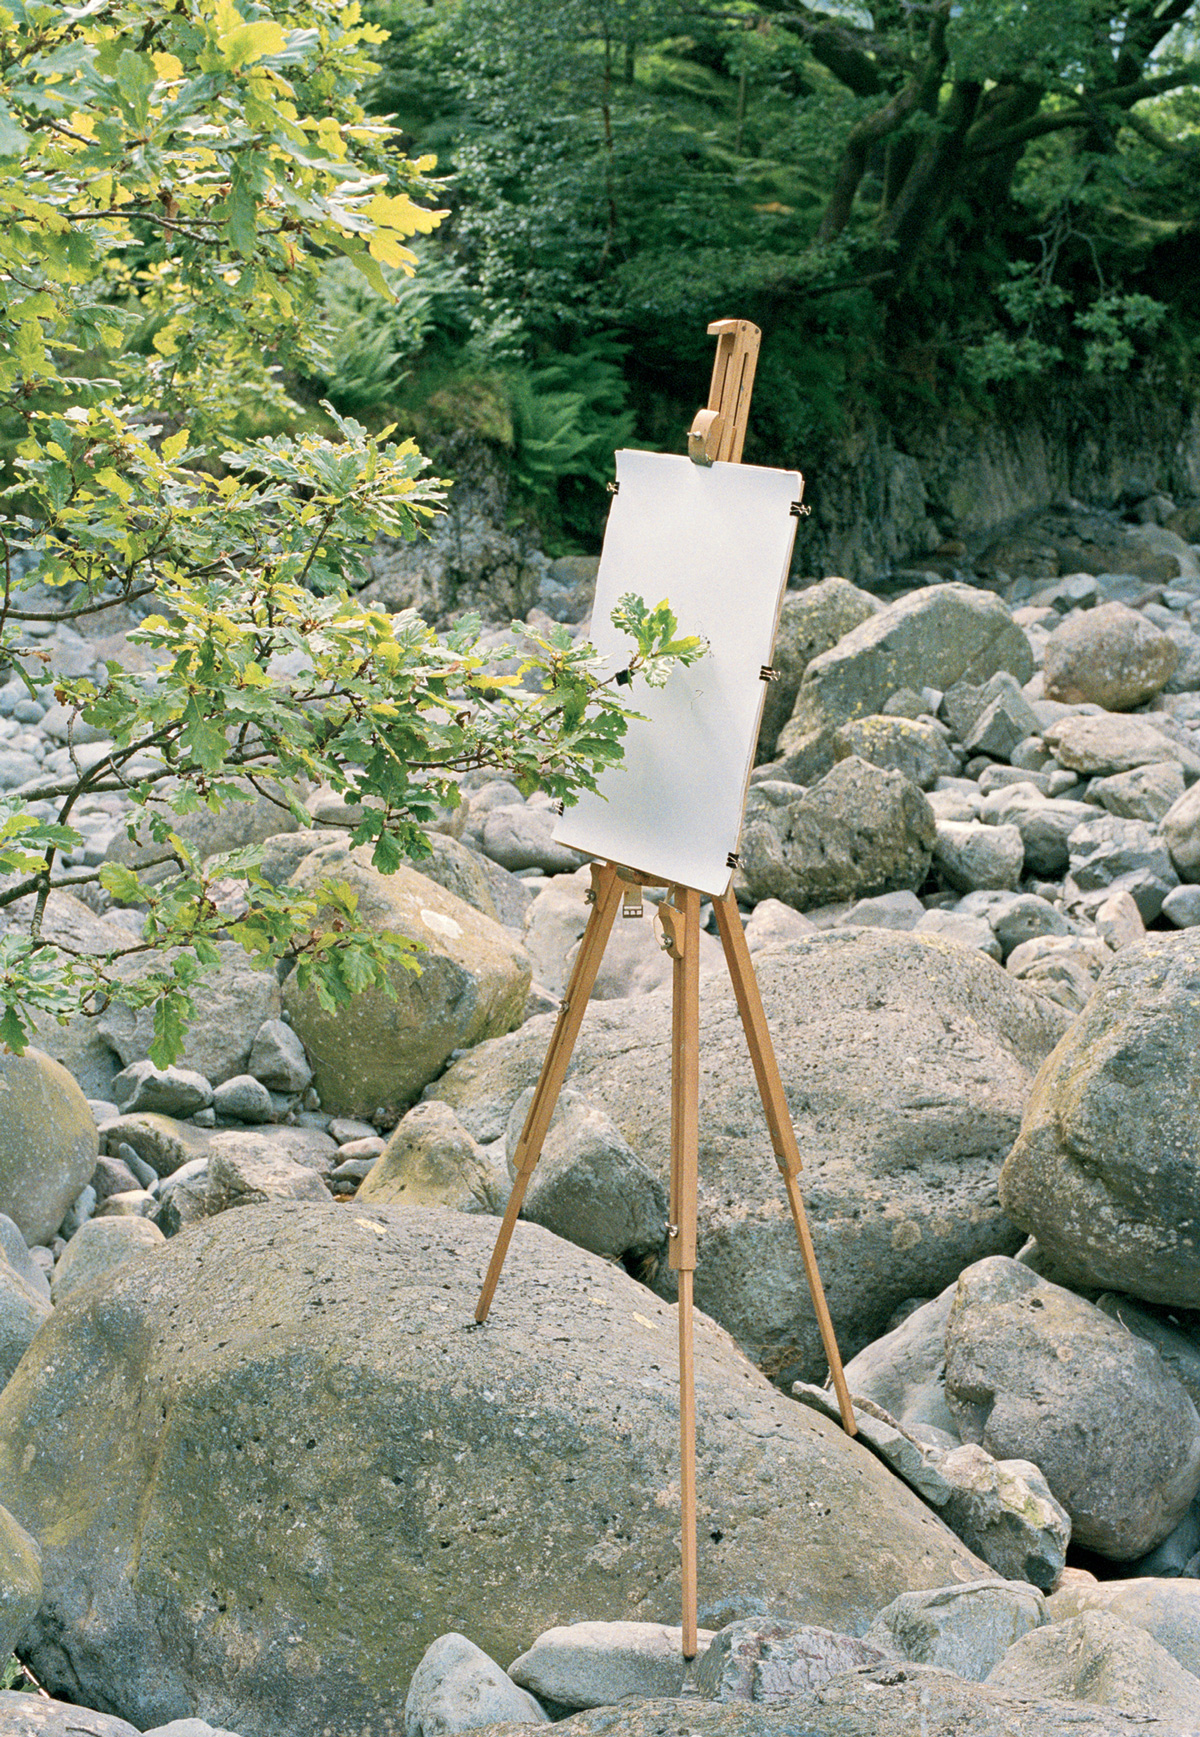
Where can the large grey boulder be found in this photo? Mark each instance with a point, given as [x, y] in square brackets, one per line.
[1169, 1610]
[430, 1160]
[48, 1142]
[1109, 852]
[965, 1629]
[1108, 742]
[20, 1584]
[77, 1045]
[894, 1700]
[595, 1664]
[1034, 1372]
[472, 984]
[457, 1687]
[915, 746]
[860, 831]
[907, 1063]
[810, 622]
[1111, 656]
[22, 1311]
[590, 1186]
[904, 1372]
[970, 857]
[232, 1001]
[757, 1659]
[1106, 1169]
[1004, 1510]
[16, 1252]
[310, 1466]
[1181, 831]
[1097, 1658]
[24, 1715]
[100, 1245]
[931, 638]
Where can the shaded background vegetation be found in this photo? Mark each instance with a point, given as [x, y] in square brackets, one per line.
[927, 207]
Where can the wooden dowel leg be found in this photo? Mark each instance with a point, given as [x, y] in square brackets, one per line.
[558, 1058]
[779, 1122]
[687, 1465]
[681, 926]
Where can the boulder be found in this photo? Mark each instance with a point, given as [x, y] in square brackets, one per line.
[48, 1142]
[891, 1700]
[1105, 1169]
[1063, 968]
[166, 1091]
[277, 1058]
[98, 1246]
[931, 638]
[520, 837]
[914, 746]
[596, 1664]
[162, 1143]
[473, 980]
[904, 1372]
[1096, 1658]
[245, 1177]
[1108, 742]
[772, 923]
[430, 1160]
[1001, 1509]
[232, 1001]
[1109, 852]
[77, 1045]
[969, 856]
[965, 1629]
[634, 961]
[461, 870]
[758, 1659]
[22, 1311]
[1005, 1512]
[20, 1584]
[907, 1063]
[23, 1715]
[1168, 1610]
[590, 1187]
[1145, 793]
[1181, 832]
[311, 1467]
[456, 1687]
[17, 1254]
[1034, 1372]
[858, 832]
[1110, 656]
[810, 622]
[243, 1099]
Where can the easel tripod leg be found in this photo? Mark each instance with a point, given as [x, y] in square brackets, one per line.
[607, 892]
[779, 1122]
[681, 922]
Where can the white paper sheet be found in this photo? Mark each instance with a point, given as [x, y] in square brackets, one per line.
[716, 542]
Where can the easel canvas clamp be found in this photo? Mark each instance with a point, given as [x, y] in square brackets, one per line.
[716, 437]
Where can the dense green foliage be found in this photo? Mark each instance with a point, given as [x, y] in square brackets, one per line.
[916, 201]
[185, 183]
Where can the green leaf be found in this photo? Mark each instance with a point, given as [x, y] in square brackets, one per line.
[122, 883]
[12, 1033]
[171, 1014]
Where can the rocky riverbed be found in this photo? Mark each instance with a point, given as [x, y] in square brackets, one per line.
[261, 1474]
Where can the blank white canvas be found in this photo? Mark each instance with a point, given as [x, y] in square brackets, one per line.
[716, 542]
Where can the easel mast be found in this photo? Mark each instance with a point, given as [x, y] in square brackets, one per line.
[717, 433]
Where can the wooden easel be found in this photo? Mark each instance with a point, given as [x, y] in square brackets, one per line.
[718, 432]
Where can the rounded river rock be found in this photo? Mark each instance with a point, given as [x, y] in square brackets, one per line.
[270, 1466]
